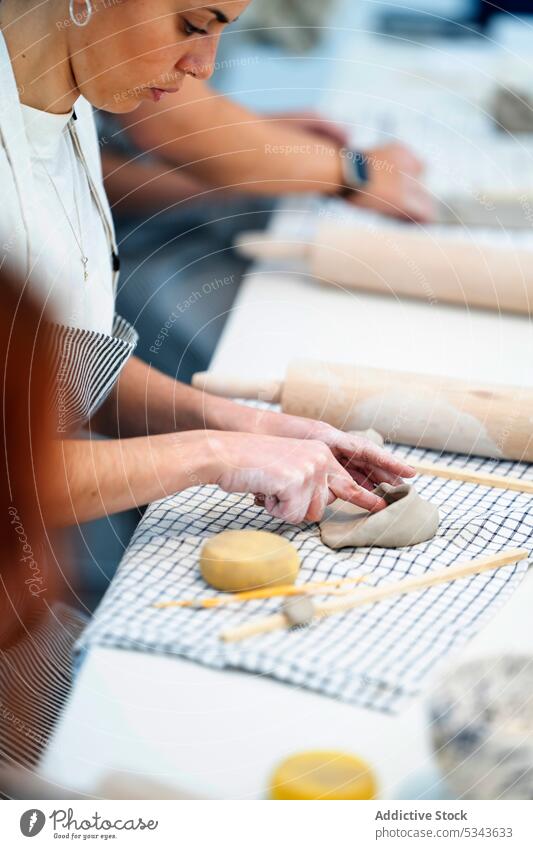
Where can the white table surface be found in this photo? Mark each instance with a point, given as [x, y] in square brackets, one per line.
[220, 733]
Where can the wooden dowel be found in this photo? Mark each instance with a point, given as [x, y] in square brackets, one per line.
[255, 627]
[408, 585]
[481, 478]
[371, 596]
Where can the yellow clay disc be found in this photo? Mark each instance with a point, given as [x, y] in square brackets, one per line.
[323, 775]
[236, 561]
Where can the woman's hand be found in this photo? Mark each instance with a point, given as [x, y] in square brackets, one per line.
[394, 187]
[294, 479]
[368, 464]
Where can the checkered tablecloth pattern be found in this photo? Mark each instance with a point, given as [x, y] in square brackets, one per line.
[376, 656]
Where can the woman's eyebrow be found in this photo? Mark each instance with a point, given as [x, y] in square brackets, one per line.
[220, 16]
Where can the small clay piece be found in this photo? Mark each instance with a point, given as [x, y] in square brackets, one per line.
[407, 520]
[298, 610]
[237, 561]
[513, 110]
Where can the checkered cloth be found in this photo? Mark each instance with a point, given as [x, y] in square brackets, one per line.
[377, 656]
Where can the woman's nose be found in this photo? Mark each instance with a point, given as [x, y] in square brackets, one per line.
[199, 62]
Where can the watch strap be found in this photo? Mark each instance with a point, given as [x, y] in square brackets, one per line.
[354, 166]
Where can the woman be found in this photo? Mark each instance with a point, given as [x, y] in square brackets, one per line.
[56, 60]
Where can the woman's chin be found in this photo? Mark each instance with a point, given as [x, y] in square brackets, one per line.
[121, 107]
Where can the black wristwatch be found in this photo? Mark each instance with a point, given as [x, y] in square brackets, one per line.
[354, 166]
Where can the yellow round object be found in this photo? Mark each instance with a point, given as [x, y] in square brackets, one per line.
[323, 775]
[237, 561]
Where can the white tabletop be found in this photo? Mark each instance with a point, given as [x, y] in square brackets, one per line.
[220, 733]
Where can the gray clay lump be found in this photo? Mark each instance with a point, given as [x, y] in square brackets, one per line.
[407, 520]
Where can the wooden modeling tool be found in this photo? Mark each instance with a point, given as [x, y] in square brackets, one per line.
[371, 596]
[313, 587]
[426, 411]
[403, 262]
[480, 478]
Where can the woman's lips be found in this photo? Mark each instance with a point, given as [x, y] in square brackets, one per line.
[158, 93]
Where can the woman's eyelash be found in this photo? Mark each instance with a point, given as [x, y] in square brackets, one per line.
[190, 29]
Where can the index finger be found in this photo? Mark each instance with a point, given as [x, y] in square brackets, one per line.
[348, 490]
[343, 486]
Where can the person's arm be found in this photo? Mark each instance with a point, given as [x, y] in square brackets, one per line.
[139, 185]
[228, 146]
[293, 479]
[146, 402]
[95, 478]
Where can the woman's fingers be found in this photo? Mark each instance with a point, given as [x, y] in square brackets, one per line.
[292, 506]
[318, 503]
[362, 452]
[352, 451]
[298, 479]
[362, 478]
[344, 486]
[373, 474]
[349, 490]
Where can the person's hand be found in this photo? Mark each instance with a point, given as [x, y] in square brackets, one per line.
[294, 479]
[313, 122]
[327, 462]
[368, 464]
[395, 185]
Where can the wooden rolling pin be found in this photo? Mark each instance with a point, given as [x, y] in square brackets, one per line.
[405, 262]
[413, 409]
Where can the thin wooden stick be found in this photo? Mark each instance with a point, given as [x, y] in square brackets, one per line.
[482, 478]
[266, 592]
[408, 585]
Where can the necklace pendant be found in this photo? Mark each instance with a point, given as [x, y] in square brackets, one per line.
[85, 260]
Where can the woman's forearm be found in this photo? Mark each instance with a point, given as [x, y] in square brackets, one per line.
[228, 146]
[95, 478]
[139, 185]
[147, 402]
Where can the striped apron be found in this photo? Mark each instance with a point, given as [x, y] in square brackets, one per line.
[85, 367]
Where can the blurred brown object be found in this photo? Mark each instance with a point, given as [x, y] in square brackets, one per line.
[37, 630]
[26, 587]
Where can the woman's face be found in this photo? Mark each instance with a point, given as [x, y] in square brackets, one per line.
[133, 50]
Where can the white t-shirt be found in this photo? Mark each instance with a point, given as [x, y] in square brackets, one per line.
[44, 186]
[65, 204]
